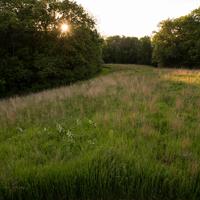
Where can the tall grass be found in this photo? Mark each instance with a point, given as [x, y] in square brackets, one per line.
[130, 134]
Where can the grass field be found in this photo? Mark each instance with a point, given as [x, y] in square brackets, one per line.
[131, 133]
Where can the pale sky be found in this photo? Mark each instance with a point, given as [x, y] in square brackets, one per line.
[135, 17]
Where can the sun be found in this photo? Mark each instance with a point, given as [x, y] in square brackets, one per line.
[64, 27]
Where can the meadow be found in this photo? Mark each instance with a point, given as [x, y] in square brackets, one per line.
[131, 133]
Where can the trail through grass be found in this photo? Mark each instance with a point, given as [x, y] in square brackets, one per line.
[132, 133]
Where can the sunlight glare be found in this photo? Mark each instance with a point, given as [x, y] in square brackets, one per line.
[64, 28]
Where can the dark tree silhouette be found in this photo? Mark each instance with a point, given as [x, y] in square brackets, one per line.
[34, 54]
[177, 43]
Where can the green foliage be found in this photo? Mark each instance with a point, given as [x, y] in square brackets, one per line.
[34, 54]
[127, 50]
[177, 44]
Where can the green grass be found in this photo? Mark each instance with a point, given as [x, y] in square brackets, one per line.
[131, 133]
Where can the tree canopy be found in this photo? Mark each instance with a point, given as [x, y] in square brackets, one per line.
[127, 50]
[35, 54]
[177, 43]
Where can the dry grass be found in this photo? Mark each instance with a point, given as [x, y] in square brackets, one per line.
[126, 133]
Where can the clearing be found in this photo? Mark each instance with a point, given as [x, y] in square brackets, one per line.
[131, 133]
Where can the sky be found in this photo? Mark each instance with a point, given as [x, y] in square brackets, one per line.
[135, 17]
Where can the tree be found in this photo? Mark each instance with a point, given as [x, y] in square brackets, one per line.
[34, 54]
[128, 50]
[177, 42]
[145, 51]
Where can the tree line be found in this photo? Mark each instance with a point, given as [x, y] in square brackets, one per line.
[127, 50]
[35, 54]
[177, 43]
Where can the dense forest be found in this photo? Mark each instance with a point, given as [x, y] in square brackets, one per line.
[127, 50]
[35, 54]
